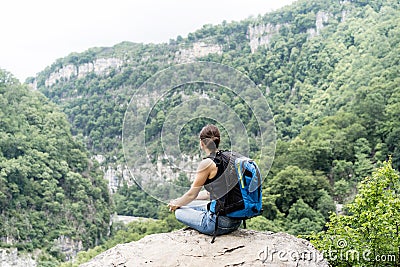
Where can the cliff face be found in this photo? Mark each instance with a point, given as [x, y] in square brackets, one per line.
[99, 66]
[10, 257]
[189, 248]
[260, 35]
[199, 49]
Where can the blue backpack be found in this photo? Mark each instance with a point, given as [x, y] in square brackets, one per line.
[236, 192]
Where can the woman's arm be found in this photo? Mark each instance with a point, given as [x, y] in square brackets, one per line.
[188, 197]
[203, 195]
[203, 172]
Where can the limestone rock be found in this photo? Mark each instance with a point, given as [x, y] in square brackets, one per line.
[10, 257]
[99, 66]
[260, 35]
[199, 49]
[189, 248]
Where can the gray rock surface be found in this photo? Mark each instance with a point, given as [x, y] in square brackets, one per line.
[189, 248]
[10, 257]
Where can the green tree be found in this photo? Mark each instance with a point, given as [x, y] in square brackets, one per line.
[260, 223]
[363, 165]
[292, 184]
[371, 227]
[342, 190]
[49, 187]
[303, 220]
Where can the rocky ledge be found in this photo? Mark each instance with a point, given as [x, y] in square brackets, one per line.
[189, 248]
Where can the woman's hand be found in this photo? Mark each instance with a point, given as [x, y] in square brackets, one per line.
[173, 206]
[203, 172]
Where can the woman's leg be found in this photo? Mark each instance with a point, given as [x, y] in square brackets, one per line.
[200, 219]
[227, 225]
[197, 218]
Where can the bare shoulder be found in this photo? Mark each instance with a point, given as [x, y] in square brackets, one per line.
[206, 164]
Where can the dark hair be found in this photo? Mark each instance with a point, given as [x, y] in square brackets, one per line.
[210, 136]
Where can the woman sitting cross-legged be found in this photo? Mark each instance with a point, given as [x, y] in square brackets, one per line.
[199, 217]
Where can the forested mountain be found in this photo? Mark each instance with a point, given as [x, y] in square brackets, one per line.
[49, 190]
[313, 59]
[329, 69]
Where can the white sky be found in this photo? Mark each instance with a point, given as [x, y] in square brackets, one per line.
[37, 32]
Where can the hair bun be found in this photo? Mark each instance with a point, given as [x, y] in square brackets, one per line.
[210, 136]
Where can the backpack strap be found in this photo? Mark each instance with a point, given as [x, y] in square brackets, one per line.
[215, 229]
[219, 210]
[219, 203]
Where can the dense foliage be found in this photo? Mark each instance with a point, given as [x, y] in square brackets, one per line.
[131, 200]
[369, 235]
[48, 187]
